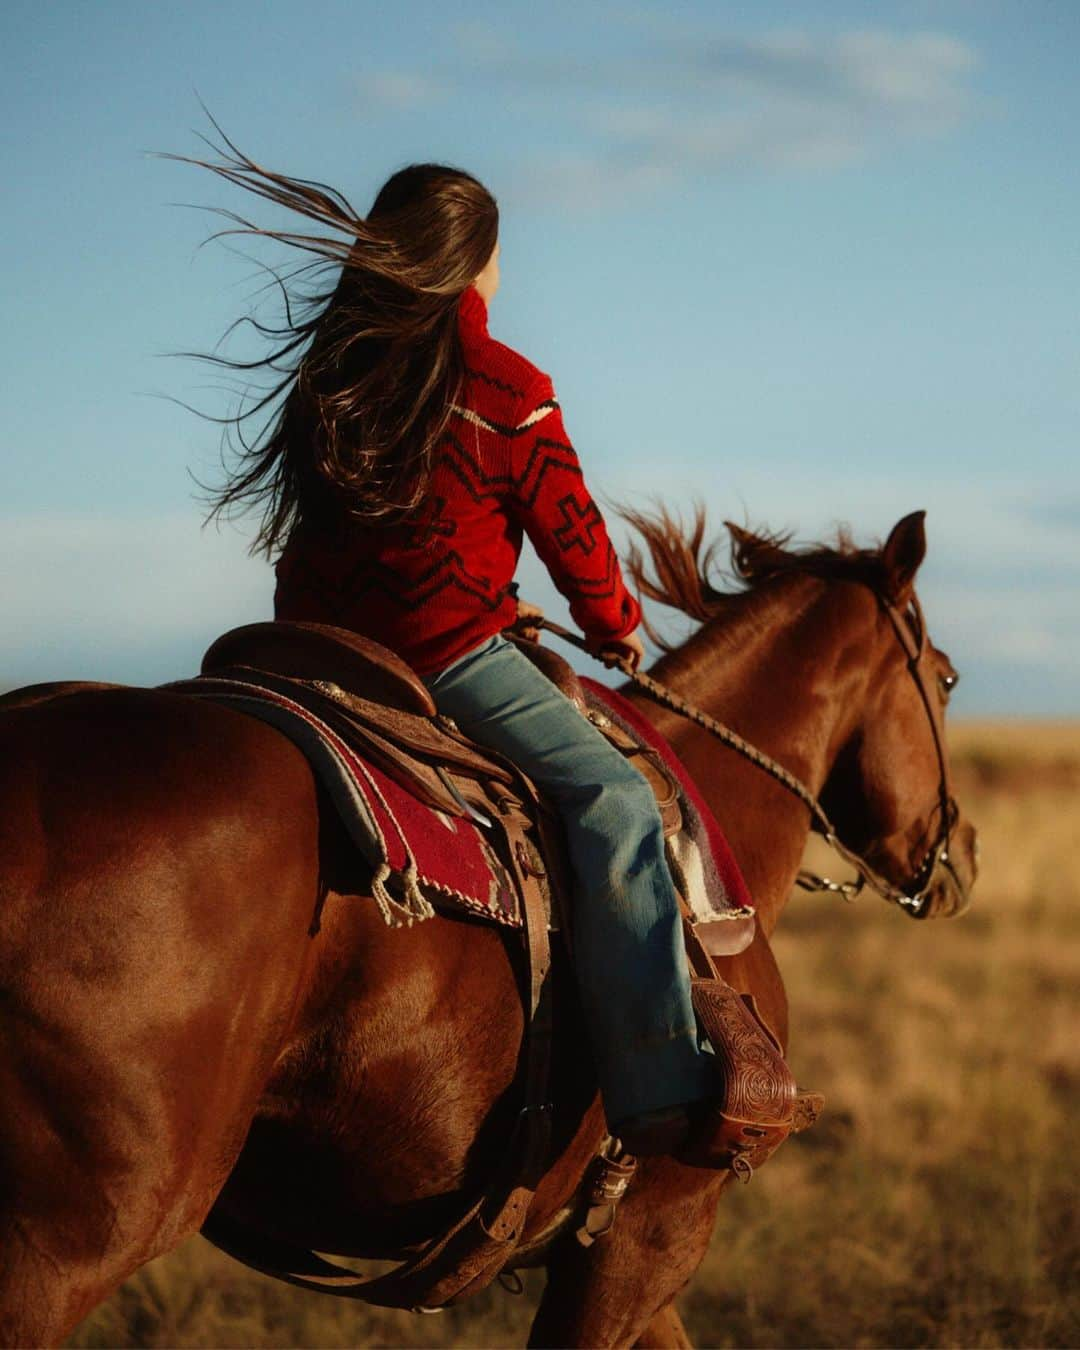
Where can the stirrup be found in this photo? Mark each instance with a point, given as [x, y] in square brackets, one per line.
[758, 1104]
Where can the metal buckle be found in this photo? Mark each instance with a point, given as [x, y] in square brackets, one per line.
[537, 1106]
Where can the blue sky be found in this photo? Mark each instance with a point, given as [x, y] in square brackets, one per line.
[809, 264]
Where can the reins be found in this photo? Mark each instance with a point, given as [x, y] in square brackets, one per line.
[913, 899]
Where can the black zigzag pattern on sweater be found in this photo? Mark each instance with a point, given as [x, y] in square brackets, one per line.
[545, 456]
[339, 594]
[470, 473]
[473, 374]
[412, 593]
[369, 577]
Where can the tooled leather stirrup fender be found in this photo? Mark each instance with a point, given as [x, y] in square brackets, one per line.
[757, 1105]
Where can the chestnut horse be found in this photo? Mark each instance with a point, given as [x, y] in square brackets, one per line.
[199, 1009]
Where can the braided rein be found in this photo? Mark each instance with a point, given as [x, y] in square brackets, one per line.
[912, 900]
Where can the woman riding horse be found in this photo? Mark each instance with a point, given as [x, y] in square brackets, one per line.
[410, 452]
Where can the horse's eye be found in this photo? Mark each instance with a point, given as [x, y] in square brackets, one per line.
[949, 681]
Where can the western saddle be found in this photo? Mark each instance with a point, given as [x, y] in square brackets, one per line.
[373, 699]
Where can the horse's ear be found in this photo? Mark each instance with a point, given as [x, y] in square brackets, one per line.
[741, 542]
[739, 536]
[902, 555]
[756, 555]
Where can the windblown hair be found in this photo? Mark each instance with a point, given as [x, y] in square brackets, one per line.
[362, 371]
[684, 567]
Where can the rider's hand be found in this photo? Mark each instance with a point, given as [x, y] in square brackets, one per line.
[627, 651]
[525, 611]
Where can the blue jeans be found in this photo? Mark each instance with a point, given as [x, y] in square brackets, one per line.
[628, 945]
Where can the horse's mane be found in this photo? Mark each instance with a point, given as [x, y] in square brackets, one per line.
[684, 568]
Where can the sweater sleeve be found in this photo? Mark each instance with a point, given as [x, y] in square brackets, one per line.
[549, 497]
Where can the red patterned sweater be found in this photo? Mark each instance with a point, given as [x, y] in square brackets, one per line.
[437, 585]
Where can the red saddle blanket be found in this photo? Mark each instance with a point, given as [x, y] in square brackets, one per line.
[423, 860]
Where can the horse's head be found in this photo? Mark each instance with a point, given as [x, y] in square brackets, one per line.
[889, 791]
[886, 785]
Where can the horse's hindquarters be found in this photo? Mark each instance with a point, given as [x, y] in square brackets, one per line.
[158, 867]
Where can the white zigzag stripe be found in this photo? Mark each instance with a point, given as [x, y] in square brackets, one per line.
[538, 414]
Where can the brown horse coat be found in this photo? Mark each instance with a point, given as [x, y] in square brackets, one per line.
[194, 1006]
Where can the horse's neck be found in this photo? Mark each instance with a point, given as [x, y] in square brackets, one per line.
[777, 669]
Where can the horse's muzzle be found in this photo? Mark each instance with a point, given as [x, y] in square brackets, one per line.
[949, 892]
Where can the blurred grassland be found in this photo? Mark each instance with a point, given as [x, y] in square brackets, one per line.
[936, 1202]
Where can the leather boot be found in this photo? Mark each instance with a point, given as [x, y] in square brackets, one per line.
[754, 1110]
[757, 1104]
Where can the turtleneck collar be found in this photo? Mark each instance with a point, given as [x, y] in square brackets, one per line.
[472, 312]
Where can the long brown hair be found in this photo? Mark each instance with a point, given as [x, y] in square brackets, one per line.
[362, 372]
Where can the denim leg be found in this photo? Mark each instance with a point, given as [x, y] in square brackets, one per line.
[628, 946]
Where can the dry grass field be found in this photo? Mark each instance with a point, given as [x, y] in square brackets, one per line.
[936, 1202]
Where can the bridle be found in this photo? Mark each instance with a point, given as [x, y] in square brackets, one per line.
[912, 896]
[909, 626]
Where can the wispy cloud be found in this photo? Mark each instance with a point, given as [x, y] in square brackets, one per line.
[398, 90]
[681, 103]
